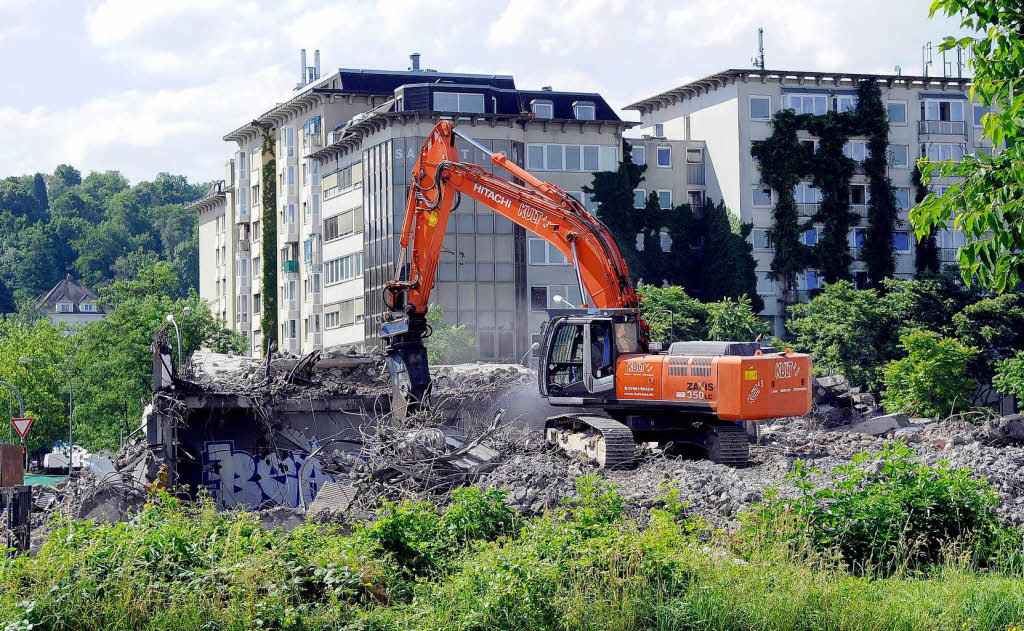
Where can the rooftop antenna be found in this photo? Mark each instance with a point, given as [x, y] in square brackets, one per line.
[926, 58]
[947, 66]
[959, 63]
[758, 59]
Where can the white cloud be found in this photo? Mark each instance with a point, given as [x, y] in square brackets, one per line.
[139, 133]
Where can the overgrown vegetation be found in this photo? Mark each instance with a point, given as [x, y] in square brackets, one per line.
[109, 361]
[448, 343]
[673, 315]
[268, 245]
[934, 379]
[908, 546]
[675, 242]
[100, 228]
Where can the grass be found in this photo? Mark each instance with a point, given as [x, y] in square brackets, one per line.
[475, 565]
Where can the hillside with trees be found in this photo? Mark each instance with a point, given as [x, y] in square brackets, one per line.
[100, 228]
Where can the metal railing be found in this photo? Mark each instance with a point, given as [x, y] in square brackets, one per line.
[290, 267]
[312, 142]
[807, 210]
[950, 128]
[242, 246]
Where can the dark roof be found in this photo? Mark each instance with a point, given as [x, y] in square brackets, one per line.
[355, 80]
[418, 96]
[69, 290]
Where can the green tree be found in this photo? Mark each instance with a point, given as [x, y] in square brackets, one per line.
[726, 243]
[988, 204]
[44, 389]
[685, 231]
[39, 191]
[16, 198]
[926, 258]
[734, 320]
[73, 204]
[846, 331]
[934, 379]
[1009, 376]
[447, 344]
[64, 177]
[877, 252]
[652, 261]
[672, 314]
[268, 321]
[104, 185]
[613, 193]
[995, 326]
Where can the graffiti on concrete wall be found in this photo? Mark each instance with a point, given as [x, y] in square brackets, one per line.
[236, 478]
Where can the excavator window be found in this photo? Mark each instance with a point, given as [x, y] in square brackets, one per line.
[600, 350]
[565, 366]
[626, 337]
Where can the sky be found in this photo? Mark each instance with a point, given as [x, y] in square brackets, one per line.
[144, 86]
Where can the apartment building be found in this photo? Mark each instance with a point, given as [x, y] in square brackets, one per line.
[928, 116]
[344, 144]
[217, 281]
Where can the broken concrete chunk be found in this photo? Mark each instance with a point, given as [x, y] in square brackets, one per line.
[880, 424]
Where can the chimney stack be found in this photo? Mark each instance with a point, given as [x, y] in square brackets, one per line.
[414, 59]
[302, 68]
[316, 63]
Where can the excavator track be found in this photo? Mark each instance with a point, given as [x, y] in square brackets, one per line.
[599, 439]
[727, 444]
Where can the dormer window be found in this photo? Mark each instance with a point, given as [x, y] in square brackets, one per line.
[459, 102]
[584, 110]
[64, 307]
[87, 307]
[542, 108]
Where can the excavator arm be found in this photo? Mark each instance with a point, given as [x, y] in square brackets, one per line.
[438, 181]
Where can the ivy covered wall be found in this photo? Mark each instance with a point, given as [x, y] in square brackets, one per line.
[785, 162]
[268, 292]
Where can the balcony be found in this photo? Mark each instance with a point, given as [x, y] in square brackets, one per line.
[242, 247]
[807, 210]
[860, 209]
[794, 296]
[695, 174]
[311, 143]
[290, 267]
[290, 230]
[242, 283]
[314, 300]
[946, 128]
[948, 256]
[242, 321]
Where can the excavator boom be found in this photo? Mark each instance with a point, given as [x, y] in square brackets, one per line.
[437, 184]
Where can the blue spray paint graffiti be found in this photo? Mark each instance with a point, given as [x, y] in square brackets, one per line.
[237, 478]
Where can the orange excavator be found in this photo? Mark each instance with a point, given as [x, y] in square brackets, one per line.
[597, 356]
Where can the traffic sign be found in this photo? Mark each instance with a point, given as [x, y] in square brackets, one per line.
[21, 425]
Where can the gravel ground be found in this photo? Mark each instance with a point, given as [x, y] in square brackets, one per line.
[537, 479]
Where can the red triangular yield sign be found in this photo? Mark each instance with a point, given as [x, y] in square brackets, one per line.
[21, 425]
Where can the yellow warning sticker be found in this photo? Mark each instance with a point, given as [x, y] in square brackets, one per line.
[750, 375]
[432, 220]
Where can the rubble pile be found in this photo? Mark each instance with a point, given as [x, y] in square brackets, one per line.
[838, 403]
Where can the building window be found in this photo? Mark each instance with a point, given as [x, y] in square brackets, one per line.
[979, 113]
[806, 194]
[543, 253]
[579, 158]
[765, 285]
[897, 111]
[940, 151]
[584, 110]
[902, 198]
[844, 103]
[812, 280]
[858, 235]
[856, 150]
[762, 197]
[538, 298]
[64, 307]
[639, 197]
[812, 236]
[459, 102]
[810, 146]
[659, 130]
[760, 108]
[344, 224]
[858, 194]
[342, 269]
[942, 110]
[899, 156]
[807, 104]
[664, 156]
[639, 154]
[543, 109]
[901, 242]
[762, 238]
[87, 307]
[665, 199]
[694, 156]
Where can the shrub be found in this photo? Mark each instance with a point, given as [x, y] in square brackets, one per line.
[734, 320]
[447, 344]
[934, 379]
[1009, 378]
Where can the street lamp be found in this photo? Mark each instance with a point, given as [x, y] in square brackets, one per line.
[71, 409]
[558, 298]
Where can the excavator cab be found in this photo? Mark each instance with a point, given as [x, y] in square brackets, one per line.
[578, 355]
